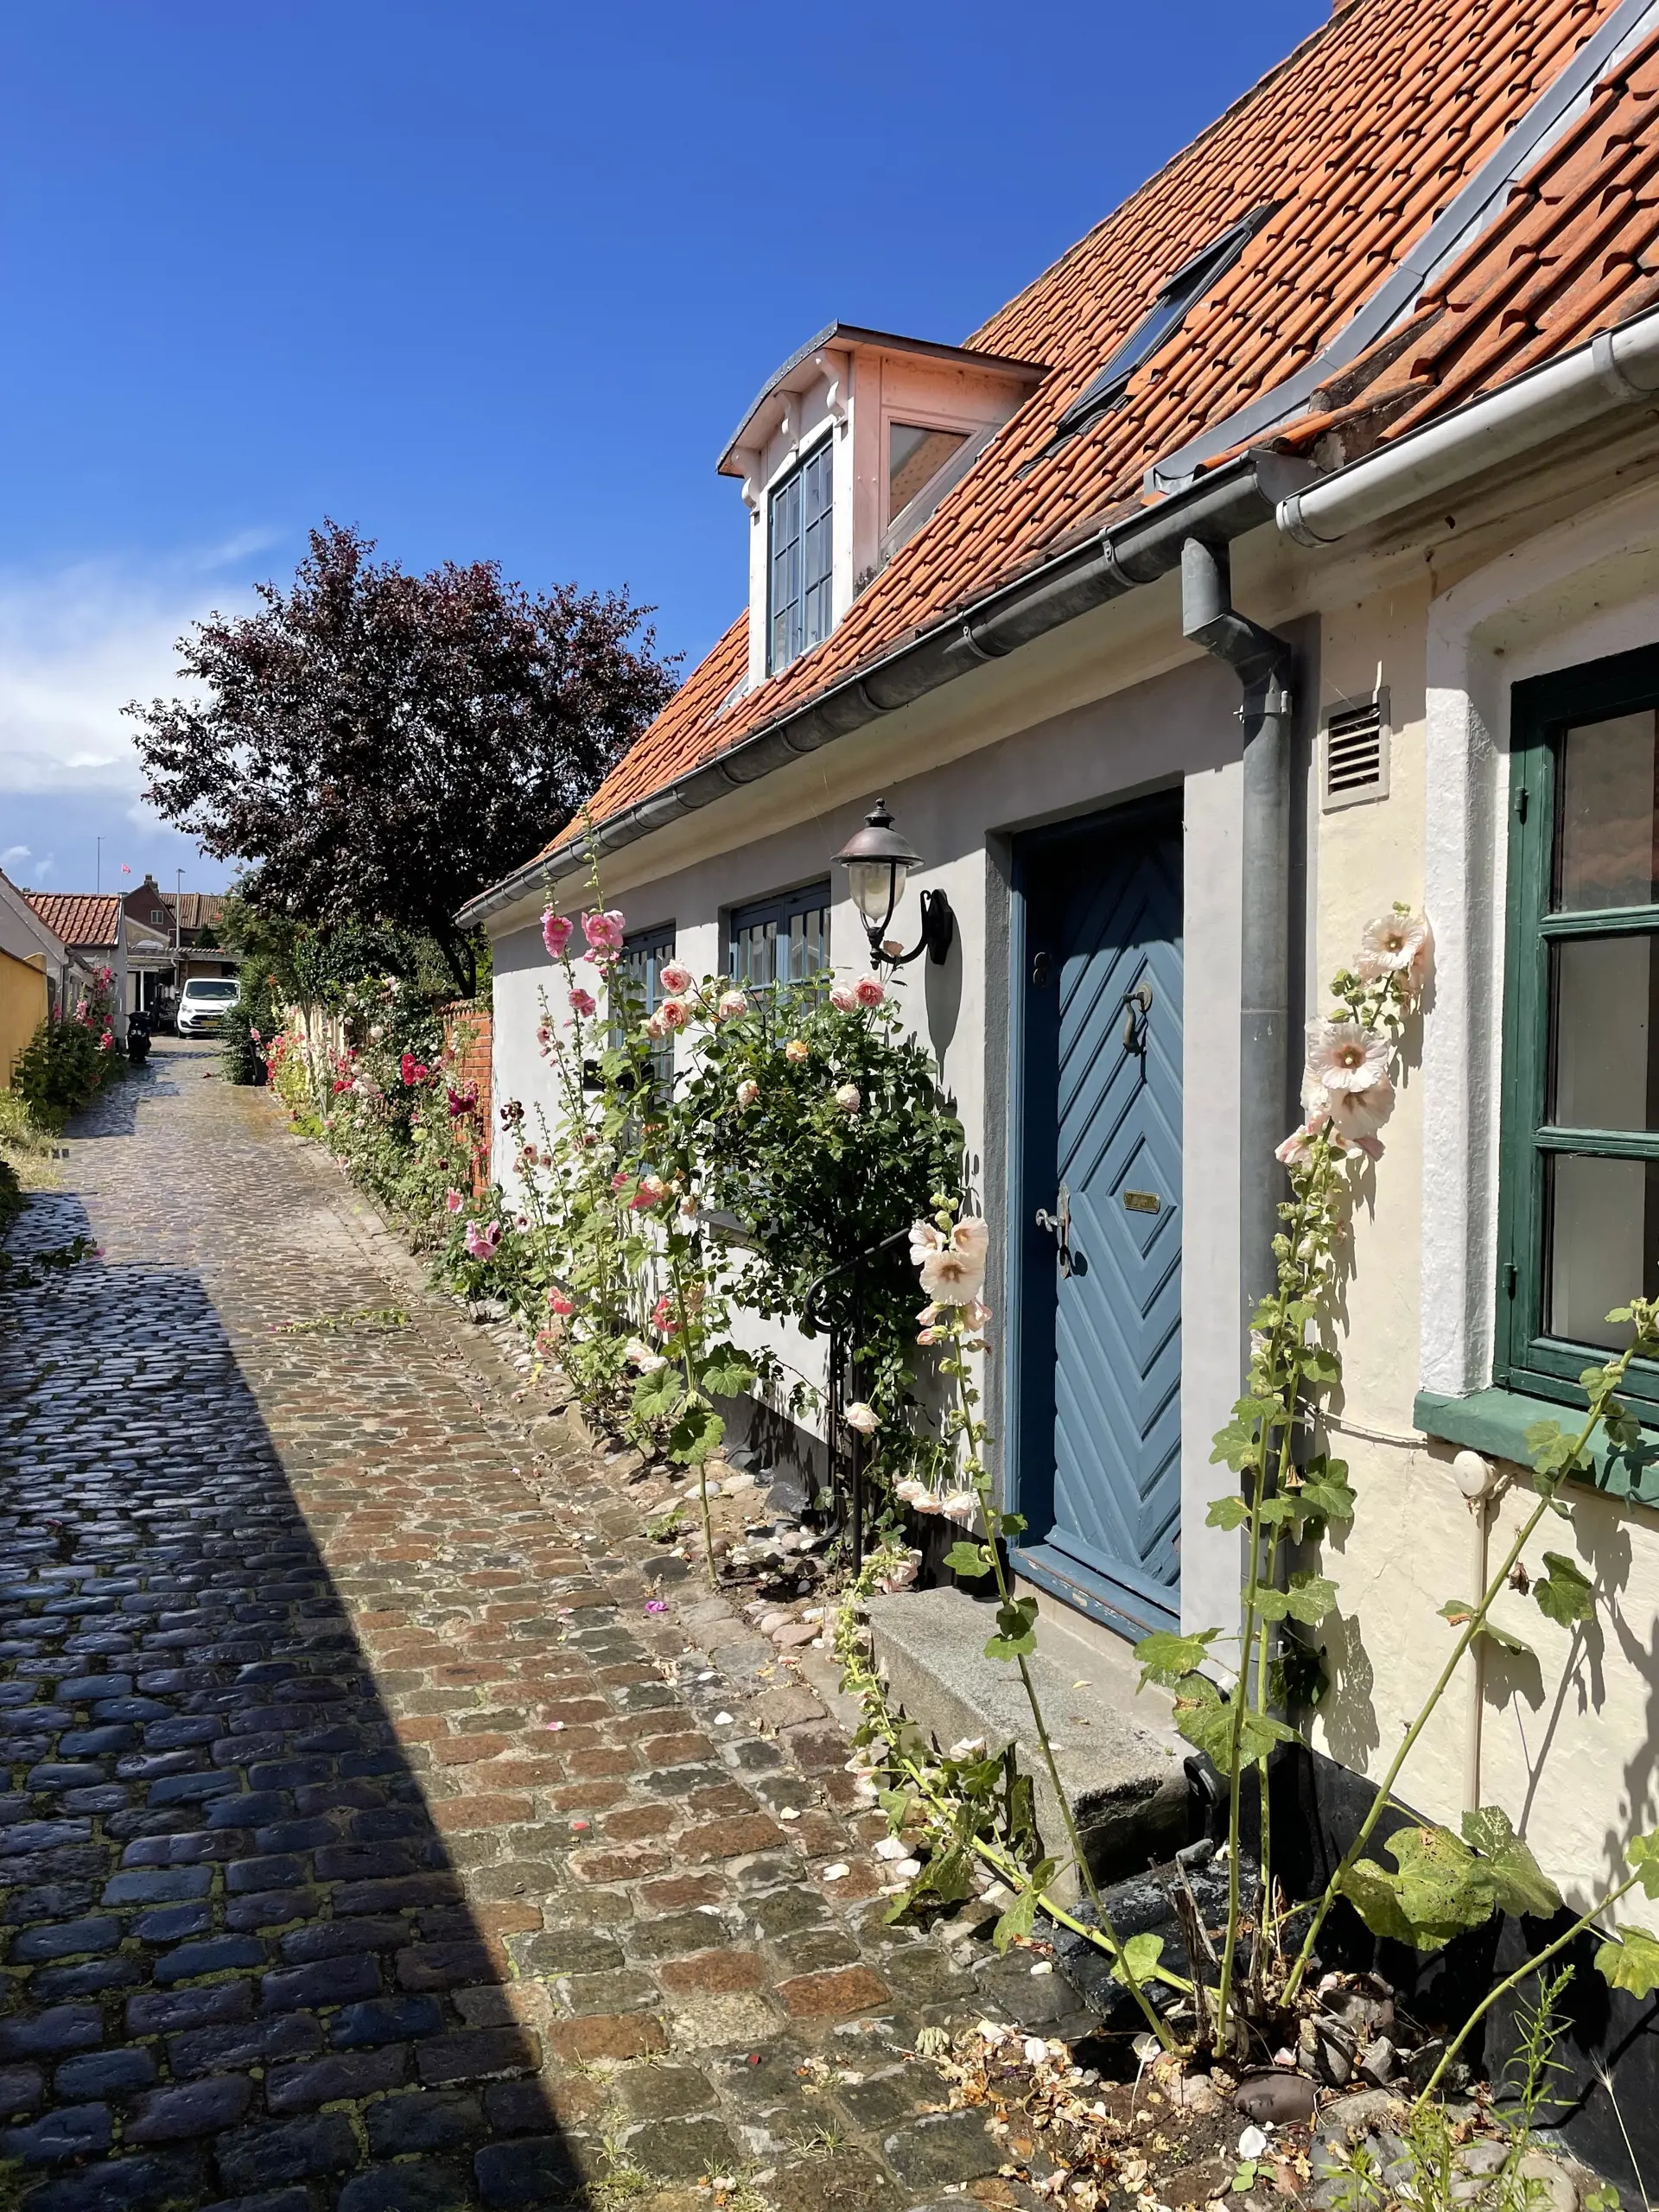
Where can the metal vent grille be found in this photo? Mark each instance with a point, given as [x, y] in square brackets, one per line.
[1355, 761]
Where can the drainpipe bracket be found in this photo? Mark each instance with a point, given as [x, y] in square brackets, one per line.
[1277, 700]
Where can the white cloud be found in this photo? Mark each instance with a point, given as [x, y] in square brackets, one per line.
[77, 643]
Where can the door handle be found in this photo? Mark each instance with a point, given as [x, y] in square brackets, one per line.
[1137, 1005]
[1058, 1225]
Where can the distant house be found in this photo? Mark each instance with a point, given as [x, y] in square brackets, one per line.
[162, 951]
[1289, 547]
[39, 975]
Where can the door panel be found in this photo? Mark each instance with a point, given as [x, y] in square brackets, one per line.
[1098, 1426]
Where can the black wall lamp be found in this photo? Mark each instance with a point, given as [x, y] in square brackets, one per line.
[877, 861]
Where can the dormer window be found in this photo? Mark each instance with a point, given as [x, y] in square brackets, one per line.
[915, 456]
[800, 558]
[846, 451]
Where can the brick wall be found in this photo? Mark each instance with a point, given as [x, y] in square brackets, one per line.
[467, 1038]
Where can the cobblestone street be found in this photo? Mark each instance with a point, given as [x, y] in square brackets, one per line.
[368, 1843]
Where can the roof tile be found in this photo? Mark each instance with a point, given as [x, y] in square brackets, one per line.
[1364, 134]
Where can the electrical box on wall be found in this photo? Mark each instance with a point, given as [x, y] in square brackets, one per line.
[1354, 751]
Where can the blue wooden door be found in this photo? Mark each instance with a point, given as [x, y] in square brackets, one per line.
[1097, 1389]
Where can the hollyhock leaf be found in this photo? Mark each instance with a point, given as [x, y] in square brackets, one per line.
[1227, 1513]
[1374, 1894]
[1643, 1853]
[1328, 1497]
[695, 1435]
[726, 1377]
[1012, 1524]
[896, 1804]
[1019, 1920]
[1168, 1658]
[1321, 1365]
[1522, 1886]
[950, 1877]
[1442, 1888]
[1140, 1954]
[1565, 1595]
[656, 1395]
[1631, 1962]
[1311, 1596]
[1277, 1512]
[968, 1559]
[1551, 1447]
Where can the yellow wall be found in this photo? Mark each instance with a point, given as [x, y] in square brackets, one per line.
[22, 1008]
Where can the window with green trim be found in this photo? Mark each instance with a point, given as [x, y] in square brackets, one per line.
[1580, 1192]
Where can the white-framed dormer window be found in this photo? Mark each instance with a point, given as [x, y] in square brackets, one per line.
[800, 558]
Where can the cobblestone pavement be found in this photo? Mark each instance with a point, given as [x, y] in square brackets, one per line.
[367, 1843]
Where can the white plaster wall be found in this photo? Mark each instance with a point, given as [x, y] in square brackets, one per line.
[1179, 727]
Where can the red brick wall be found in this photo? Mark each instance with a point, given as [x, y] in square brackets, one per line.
[466, 1037]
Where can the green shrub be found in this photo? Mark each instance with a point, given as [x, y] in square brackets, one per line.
[62, 1068]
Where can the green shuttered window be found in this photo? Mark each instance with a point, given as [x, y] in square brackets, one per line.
[1578, 1232]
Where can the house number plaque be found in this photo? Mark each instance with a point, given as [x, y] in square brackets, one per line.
[1142, 1201]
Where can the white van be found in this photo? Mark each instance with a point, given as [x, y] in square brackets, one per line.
[204, 1002]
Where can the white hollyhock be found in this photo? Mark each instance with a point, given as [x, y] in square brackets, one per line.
[1341, 1056]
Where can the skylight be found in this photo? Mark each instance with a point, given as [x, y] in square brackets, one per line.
[1106, 388]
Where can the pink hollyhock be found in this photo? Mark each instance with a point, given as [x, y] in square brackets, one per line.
[620, 1181]
[482, 1240]
[106, 1040]
[412, 1071]
[558, 1303]
[464, 1101]
[652, 1191]
[256, 1038]
[556, 933]
[603, 932]
[453, 1202]
[661, 1313]
[584, 1004]
[676, 978]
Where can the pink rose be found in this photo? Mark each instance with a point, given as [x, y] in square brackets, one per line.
[843, 998]
[676, 978]
[796, 1050]
[556, 933]
[732, 1003]
[846, 1098]
[673, 1014]
[584, 1004]
[747, 1093]
[869, 990]
[603, 932]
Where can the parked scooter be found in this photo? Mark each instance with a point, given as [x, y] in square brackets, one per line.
[138, 1039]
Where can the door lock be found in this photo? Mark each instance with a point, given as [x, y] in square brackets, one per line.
[1058, 1225]
[1137, 1005]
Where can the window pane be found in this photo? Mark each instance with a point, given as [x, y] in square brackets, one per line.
[800, 542]
[1604, 1244]
[1605, 1039]
[915, 456]
[1606, 815]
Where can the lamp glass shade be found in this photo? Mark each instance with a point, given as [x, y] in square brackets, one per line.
[875, 887]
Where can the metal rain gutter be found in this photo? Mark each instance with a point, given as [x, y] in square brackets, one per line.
[1618, 370]
[1219, 506]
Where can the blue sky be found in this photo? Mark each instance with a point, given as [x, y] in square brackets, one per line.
[485, 277]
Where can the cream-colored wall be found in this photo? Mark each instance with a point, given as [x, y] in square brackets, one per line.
[1566, 1740]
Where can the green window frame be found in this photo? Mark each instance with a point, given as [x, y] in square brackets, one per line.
[1566, 962]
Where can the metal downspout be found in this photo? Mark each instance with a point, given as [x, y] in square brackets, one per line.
[1264, 664]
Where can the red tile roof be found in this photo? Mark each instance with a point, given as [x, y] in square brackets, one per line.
[77, 916]
[1364, 136]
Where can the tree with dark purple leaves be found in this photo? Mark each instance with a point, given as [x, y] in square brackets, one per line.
[378, 747]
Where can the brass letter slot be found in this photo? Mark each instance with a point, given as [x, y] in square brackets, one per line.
[1142, 1201]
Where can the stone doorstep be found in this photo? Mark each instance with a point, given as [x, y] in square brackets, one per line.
[1118, 1754]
